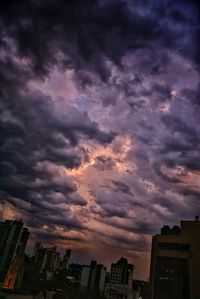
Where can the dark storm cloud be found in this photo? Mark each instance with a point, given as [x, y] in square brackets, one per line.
[109, 210]
[87, 33]
[178, 125]
[134, 64]
[135, 226]
[161, 92]
[192, 95]
[38, 135]
[172, 145]
[187, 157]
[179, 148]
[121, 242]
[164, 202]
[44, 236]
[190, 192]
[122, 187]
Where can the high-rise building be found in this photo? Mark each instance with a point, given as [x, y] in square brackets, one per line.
[66, 257]
[120, 281]
[93, 277]
[46, 258]
[14, 237]
[175, 262]
[36, 250]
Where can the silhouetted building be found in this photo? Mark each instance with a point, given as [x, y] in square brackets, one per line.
[141, 289]
[36, 250]
[75, 270]
[46, 258]
[66, 257]
[120, 280]
[175, 262]
[14, 237]
[93, 277]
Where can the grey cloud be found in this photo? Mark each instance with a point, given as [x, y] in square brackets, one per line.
[109, 210]
[38, 135]
[164, 202]
[178, 125]
[88, 33]
[123, 187]
[131, 66]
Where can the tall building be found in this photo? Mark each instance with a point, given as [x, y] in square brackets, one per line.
[46, 258]
[66, 257]
[36, 250]
[175, 262]
[93, 277]
[14, 237]
[121, 280]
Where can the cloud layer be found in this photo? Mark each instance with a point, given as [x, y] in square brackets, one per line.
[100, 122]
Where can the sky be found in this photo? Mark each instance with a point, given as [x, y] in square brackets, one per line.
[100, 122]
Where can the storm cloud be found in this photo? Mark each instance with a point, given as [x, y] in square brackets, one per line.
[99, 121]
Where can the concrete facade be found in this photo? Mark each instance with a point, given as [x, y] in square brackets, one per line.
[14, 237]
[93, 277]
[121, 280]
[175, 262]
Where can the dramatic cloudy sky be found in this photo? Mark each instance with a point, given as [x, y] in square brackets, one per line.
[100, 122]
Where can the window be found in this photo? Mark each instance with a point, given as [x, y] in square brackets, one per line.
[173, 246]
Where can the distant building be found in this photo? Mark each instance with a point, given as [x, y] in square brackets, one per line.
[141, 289]
[46, 258]
[75, 270]
[36, 250]
[175, 262]
[14, 237]
[93, 277]
[66, 257]
[120, 281]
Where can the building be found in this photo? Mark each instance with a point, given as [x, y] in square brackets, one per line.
[14, 237]
[120, 285]
[66, 257]
[75, 270]
[93, 277]
[46, 258]
[175, 262]
[141, 289]
[121, 272]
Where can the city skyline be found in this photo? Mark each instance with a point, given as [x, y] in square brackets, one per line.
[100, 131]
[175, 264]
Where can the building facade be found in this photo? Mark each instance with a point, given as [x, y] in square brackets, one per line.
[66, 257]
[175, 262]
[46, 258]
[120, 285]
[93, 277]
[14, 237]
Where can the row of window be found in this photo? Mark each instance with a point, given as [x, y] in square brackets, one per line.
[173, 246]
